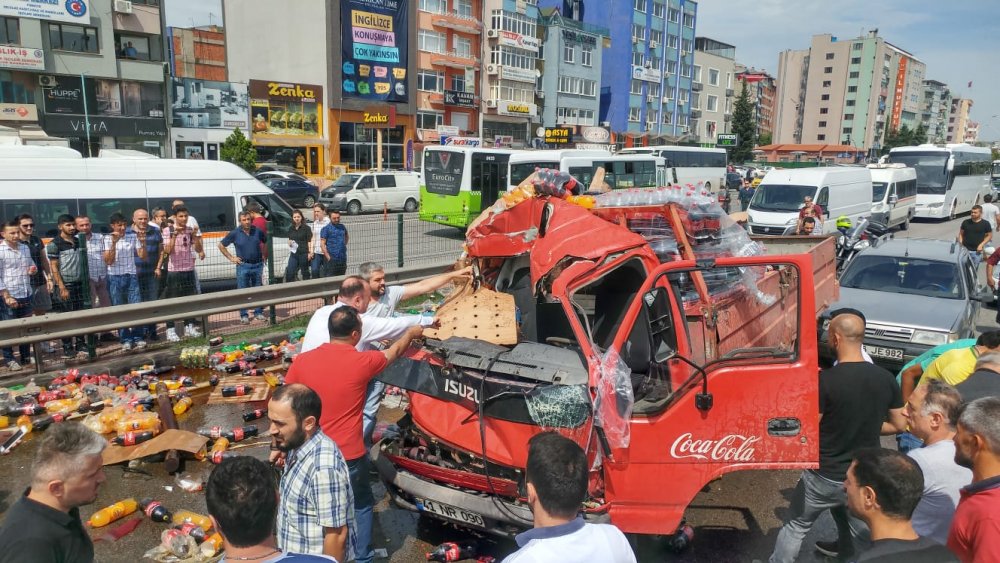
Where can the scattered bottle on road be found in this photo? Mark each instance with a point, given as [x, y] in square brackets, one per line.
[132, 438]
[249, 416]
[239, 433]
[188, 517]
[452, 551]
[155, 511]
[109, 514]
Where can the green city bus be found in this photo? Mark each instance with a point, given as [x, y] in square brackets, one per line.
[457, 183]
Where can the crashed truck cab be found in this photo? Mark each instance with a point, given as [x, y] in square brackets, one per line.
[669, 371]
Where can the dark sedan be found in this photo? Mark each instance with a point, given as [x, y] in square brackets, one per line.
[297, 193]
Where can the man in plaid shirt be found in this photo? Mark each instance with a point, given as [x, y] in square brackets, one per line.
[316, 512]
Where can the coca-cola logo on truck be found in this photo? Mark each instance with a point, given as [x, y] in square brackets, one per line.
[734, 447]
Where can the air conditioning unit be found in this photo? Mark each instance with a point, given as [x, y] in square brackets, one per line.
[492, 33]
[123, 6]
[654, 44]
[605, 124]
[491, 103]
[650, 98]
[540, 93]
[492, 69]
[681, 102]
[666, 99]
[47, 81]
[635, 40]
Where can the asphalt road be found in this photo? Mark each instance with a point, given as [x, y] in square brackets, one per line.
[736, 518]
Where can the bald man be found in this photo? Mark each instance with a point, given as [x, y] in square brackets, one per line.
[858, 402]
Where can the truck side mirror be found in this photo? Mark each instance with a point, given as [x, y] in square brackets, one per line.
[893, 199]
[950, 165]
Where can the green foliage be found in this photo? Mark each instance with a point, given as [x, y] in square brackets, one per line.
[744, 126]
[239, 150]
[764, 139]
[904, 137]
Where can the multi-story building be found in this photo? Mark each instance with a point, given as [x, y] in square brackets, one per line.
[333, 88]
[712, 94]
[972, 132]
[649, 96]
[510, 61]
[198, 52]
[571, 70]
[88, 72]
[449, 36]
[935, 109]
[958, 120]
[839, 91]
[761, 88]
[906, 104]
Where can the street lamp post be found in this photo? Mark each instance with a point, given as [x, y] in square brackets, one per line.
[86, 113]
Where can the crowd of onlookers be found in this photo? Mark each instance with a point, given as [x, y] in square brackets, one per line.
[149, 256]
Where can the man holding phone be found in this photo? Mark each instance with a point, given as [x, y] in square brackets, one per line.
[16, 269]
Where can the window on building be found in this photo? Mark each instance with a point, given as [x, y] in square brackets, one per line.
[429, 119]
[856, 46]
[430, 81]
[464, 8]
[458, 82]
[652, 116]
[431, 41]
[696, 73]
[848, 117]
[849, 103]
[17, 89]
[77, 38]
[685, 70]
[684, 96]
[820, 137]
[10, 33]
[569, 54]
[826, 83]
[686, 45]
[654, 62]
[729, 80]
[821, 124]
[668, 117]
[638, 59]
[137, 47]
[695, 100]
[672, 41]
[828, 70]
[659, 10]
[674, 15]
[729, 105]
[633, 115]
[854, 74]
[671, 67]
[713, 103]
[710, 129]
[824, 110]
[847, 131]
[855, 60]
[638, 32]
[852, 89]
[463, 47]
[433, 6]
[829, 56]
[578, 86]
[656, 35]
[825, 97]
[713, 77]
[682, 119]
[689, 20]
[636, 87]
[654, 90]
[587, 56]
[639, 5]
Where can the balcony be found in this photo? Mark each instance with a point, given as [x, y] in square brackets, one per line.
[695, 113]
[454, 59]
[696, 86]
[461, 24]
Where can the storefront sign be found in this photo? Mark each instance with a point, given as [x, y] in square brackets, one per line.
[461, 141]
[558, 135]
[205, 104]
[503, 141]
[69, 11]
[374, 36]
[727, 140]
[448, 130]
[519, 109]
[594, 146]
[461, 99]
[646, 74]
[285, 109]
[18, 112]
[595, 134]
[512, 39]
[570, 36]
[103, 97]
[428, 136]
[383, 117]
[76, 126]
[518, 74]
[21, 58]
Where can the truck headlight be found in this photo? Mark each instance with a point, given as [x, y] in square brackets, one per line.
[929, 338]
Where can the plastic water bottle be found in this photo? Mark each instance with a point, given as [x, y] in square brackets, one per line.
[681, 539]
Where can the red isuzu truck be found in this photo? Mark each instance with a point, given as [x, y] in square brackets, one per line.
[660, 337]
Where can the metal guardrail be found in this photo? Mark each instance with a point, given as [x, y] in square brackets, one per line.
[62, 325]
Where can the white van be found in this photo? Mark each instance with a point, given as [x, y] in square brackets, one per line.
[894, 194]
[50, 181]
[373, 191]
[839, 190]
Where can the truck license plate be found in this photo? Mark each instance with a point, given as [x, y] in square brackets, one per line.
[452, 513]
[880, 352]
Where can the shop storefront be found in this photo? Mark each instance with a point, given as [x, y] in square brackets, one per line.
[120, 114]
[357, 148]
[287, 125]
[204, 113]
[513, 120]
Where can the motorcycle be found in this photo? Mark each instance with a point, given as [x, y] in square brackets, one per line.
[851, 241]
[725, 199]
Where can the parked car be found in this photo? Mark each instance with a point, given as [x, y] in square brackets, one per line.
[915, 294]
[281, 175]
[373, 191]
[273, 167]
[734, 180]
[298, 193]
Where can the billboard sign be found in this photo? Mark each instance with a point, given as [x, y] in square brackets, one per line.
[207, 104]
[374, 42]
[286, 109]
[66, 11]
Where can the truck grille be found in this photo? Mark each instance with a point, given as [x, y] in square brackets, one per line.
[757, 230]
[888, 332]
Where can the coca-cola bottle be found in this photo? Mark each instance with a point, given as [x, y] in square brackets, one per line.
[239, 433]
[453, 551]
[254, 414]
[155, 511]
[681, 538]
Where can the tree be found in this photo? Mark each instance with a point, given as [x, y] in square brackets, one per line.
[744, 126]
[904, 137]
[764, 139]
[239, 150]
[920, 135]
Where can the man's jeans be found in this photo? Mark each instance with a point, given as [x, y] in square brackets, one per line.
[906, 442]
[149, 290]
[22, 311]
[364, 505]
[317, 266]
[124, 289]
[977, 257]
[814, 495]
[373, 400]
[74, 303]
[249, 275]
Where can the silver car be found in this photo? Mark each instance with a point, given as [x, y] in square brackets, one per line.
[914, 293]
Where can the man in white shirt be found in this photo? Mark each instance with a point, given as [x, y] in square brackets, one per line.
[990, 211]
[16, 269]
[556, 479]
[120, 251]
[932, 411]
[316, 257]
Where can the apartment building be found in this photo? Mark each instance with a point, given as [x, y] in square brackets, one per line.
[91, 73]
[908, 89]
[510, 81]
[198, 52]
[570, 68]
[449, 42]
[958, 120]
[972, 133]
[935, 110]
[712, 92]
[762, 89]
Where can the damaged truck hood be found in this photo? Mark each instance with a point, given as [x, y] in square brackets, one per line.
[568, 231]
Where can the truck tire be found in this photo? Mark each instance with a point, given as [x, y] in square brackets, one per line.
[354, 207]
[905, 226]
[410, 206]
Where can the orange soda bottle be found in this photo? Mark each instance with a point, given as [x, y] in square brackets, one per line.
[182, 405]
[211, 545]
[188, 517]
[109, 514]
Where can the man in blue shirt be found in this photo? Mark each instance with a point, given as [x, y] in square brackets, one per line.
[334, 244]
[249, 260]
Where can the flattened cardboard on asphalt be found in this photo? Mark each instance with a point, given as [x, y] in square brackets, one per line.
[169, 440]
[260, 390]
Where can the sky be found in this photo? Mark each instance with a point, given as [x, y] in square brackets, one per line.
[959, 41]
[194, 13]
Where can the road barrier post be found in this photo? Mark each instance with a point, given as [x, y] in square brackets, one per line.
[399, 240]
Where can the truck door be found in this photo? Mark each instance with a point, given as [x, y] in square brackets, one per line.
[728, 383]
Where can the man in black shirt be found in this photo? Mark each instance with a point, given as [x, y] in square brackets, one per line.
[984, 382]
[855, 401]
[883, 488]
[44, 524]
[975, 233]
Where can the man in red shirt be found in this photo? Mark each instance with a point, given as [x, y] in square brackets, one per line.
[339, 374]
[810, 209]
[975, 530]
[256, 211]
